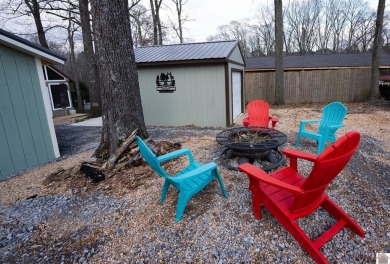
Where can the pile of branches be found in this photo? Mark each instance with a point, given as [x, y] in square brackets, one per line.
[127, 154]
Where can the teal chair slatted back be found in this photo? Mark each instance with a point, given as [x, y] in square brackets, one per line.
[333, 114]
[150, 158]
[332, 119]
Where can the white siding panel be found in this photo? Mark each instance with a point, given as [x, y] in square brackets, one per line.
[236, 56]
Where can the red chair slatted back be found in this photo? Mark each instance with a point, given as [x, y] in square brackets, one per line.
[326, 167]
[258, 113]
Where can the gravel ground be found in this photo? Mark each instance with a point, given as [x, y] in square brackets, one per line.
[112, 223]
[76, 139]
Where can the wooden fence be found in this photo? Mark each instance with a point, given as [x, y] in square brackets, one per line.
[310, 86]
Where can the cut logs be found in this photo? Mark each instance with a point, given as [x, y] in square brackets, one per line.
[128, 154]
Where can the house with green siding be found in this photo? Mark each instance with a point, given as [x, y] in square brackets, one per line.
[195, 84]
[27, 136]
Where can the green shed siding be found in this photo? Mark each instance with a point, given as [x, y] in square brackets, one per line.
[198, 100]
[25, 138]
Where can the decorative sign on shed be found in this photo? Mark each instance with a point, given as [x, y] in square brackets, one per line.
[165, 83]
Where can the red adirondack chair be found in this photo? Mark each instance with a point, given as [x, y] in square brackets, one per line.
[289, 196]
[258, 114]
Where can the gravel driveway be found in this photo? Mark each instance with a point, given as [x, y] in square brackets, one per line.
[76, 139]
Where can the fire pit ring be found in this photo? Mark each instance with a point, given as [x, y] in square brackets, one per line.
[250, 144]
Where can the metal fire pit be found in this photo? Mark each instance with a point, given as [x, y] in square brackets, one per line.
[250, 144]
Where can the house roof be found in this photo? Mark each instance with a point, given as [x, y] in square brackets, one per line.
[18, 43]
[185, 52]
[317, 61]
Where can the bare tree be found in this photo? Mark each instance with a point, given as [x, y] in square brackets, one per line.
[301, 21]
[262, 38]
[336, 9]
[181, 18]
[71, 29]
[93, 75]
[155, 6]
[235, 30]
[366, 31]
[121, 104]
[279, 70]
[142, 26]
[27, 8]
[355, 10]
[376, 49]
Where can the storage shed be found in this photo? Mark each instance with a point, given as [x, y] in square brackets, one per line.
[27, 136]
[197, 84]
[320, 78]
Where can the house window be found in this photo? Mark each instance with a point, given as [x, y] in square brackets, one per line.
[60, 95]
[53, 75]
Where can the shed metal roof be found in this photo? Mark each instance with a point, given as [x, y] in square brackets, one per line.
[11, 40]
[317, 61]
[185, 52]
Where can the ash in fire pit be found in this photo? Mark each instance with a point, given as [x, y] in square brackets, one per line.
[252, 144]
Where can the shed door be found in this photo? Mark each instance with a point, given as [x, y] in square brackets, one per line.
[236, 86]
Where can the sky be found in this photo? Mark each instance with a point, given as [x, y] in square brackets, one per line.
[209, 14]
[206, 15]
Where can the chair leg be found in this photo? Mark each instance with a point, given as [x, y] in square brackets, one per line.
[321, 145]
[218, 176]
[164, 191]
[339, 213]
[298, 140]
[306, 243]
[181, 205]
[256, 197]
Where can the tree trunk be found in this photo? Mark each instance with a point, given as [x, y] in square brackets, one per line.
[36, 12]
[73, 61]
[377, 47]
[160, 34]
[155, 36]
[121, 98]
[179, 8]
[279, 70]
[92, 72]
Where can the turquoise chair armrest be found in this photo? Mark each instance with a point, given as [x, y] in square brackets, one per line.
[304, 122]
[200, 170]
[336, 126]
[310, 121]
[175, 154]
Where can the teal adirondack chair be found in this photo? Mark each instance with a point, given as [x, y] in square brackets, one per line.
[332, 117]
[189, 181]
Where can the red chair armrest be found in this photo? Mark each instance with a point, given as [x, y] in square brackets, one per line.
[294, 154]
[274, 120]
[245, 122]
[290, 153]
[260, 175]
